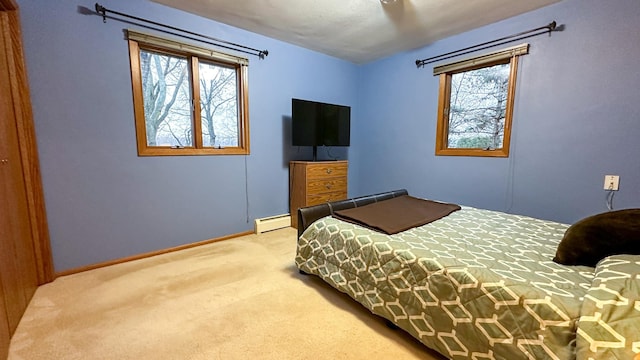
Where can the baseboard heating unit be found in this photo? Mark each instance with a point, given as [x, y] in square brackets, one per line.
[272, 223]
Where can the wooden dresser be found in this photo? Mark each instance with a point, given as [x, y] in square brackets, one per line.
[315, 182]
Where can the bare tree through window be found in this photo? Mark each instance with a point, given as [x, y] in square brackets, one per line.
[475, 105]
[166, 96]
[219, 105]
[478, 107]
[186, 103]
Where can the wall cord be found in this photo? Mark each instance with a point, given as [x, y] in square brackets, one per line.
[246, 186]
[609, 199]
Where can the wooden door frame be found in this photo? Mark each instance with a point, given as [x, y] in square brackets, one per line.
[19, 90]
[8, 5]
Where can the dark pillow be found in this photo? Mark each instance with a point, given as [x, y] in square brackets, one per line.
[593, 238]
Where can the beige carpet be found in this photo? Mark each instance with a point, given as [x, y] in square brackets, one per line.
[236, 299]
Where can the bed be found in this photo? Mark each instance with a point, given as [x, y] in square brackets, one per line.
[477, 284]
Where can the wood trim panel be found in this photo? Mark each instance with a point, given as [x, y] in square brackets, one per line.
[243, 126]
[511, 96]
[8, 5]
[189, 151]
[442, 122]
[149, 254]
[29, 152]
[25, 250]
[138, 103]
[10, 229]
[18, 269]
[179, 47]
[482, 60]
[196, 111]
[5, 335]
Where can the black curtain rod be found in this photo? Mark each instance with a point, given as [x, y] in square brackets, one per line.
[507, 39]
[102, 11]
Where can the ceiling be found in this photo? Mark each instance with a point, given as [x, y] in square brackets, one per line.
[359, 31]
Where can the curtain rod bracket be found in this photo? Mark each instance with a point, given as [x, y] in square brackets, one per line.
[102, 11]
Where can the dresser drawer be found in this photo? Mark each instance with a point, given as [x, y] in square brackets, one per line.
[326, 197]
[326, 185]
[324, 170]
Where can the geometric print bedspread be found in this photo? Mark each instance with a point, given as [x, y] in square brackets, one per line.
[476, 284]
[609, 326]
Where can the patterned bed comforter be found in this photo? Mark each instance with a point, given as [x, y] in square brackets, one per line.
[477, 284]
[609, 326]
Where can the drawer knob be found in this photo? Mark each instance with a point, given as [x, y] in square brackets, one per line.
[327, 185]
[329, 171]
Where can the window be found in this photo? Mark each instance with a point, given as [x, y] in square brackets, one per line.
[475, 104]
[187, 100]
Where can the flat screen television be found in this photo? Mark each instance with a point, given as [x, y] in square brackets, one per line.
[319, 124]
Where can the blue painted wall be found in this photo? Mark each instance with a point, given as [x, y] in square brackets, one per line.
[103, 201]
[576, 119]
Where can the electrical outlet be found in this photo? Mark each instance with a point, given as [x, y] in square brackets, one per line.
[611, 182]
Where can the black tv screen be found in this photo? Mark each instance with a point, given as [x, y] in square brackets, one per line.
[320, 124]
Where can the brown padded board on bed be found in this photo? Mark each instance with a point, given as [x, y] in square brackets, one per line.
[397, 214]
[309, 214]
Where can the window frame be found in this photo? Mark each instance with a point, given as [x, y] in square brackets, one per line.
[139, 41]
[507, 56]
